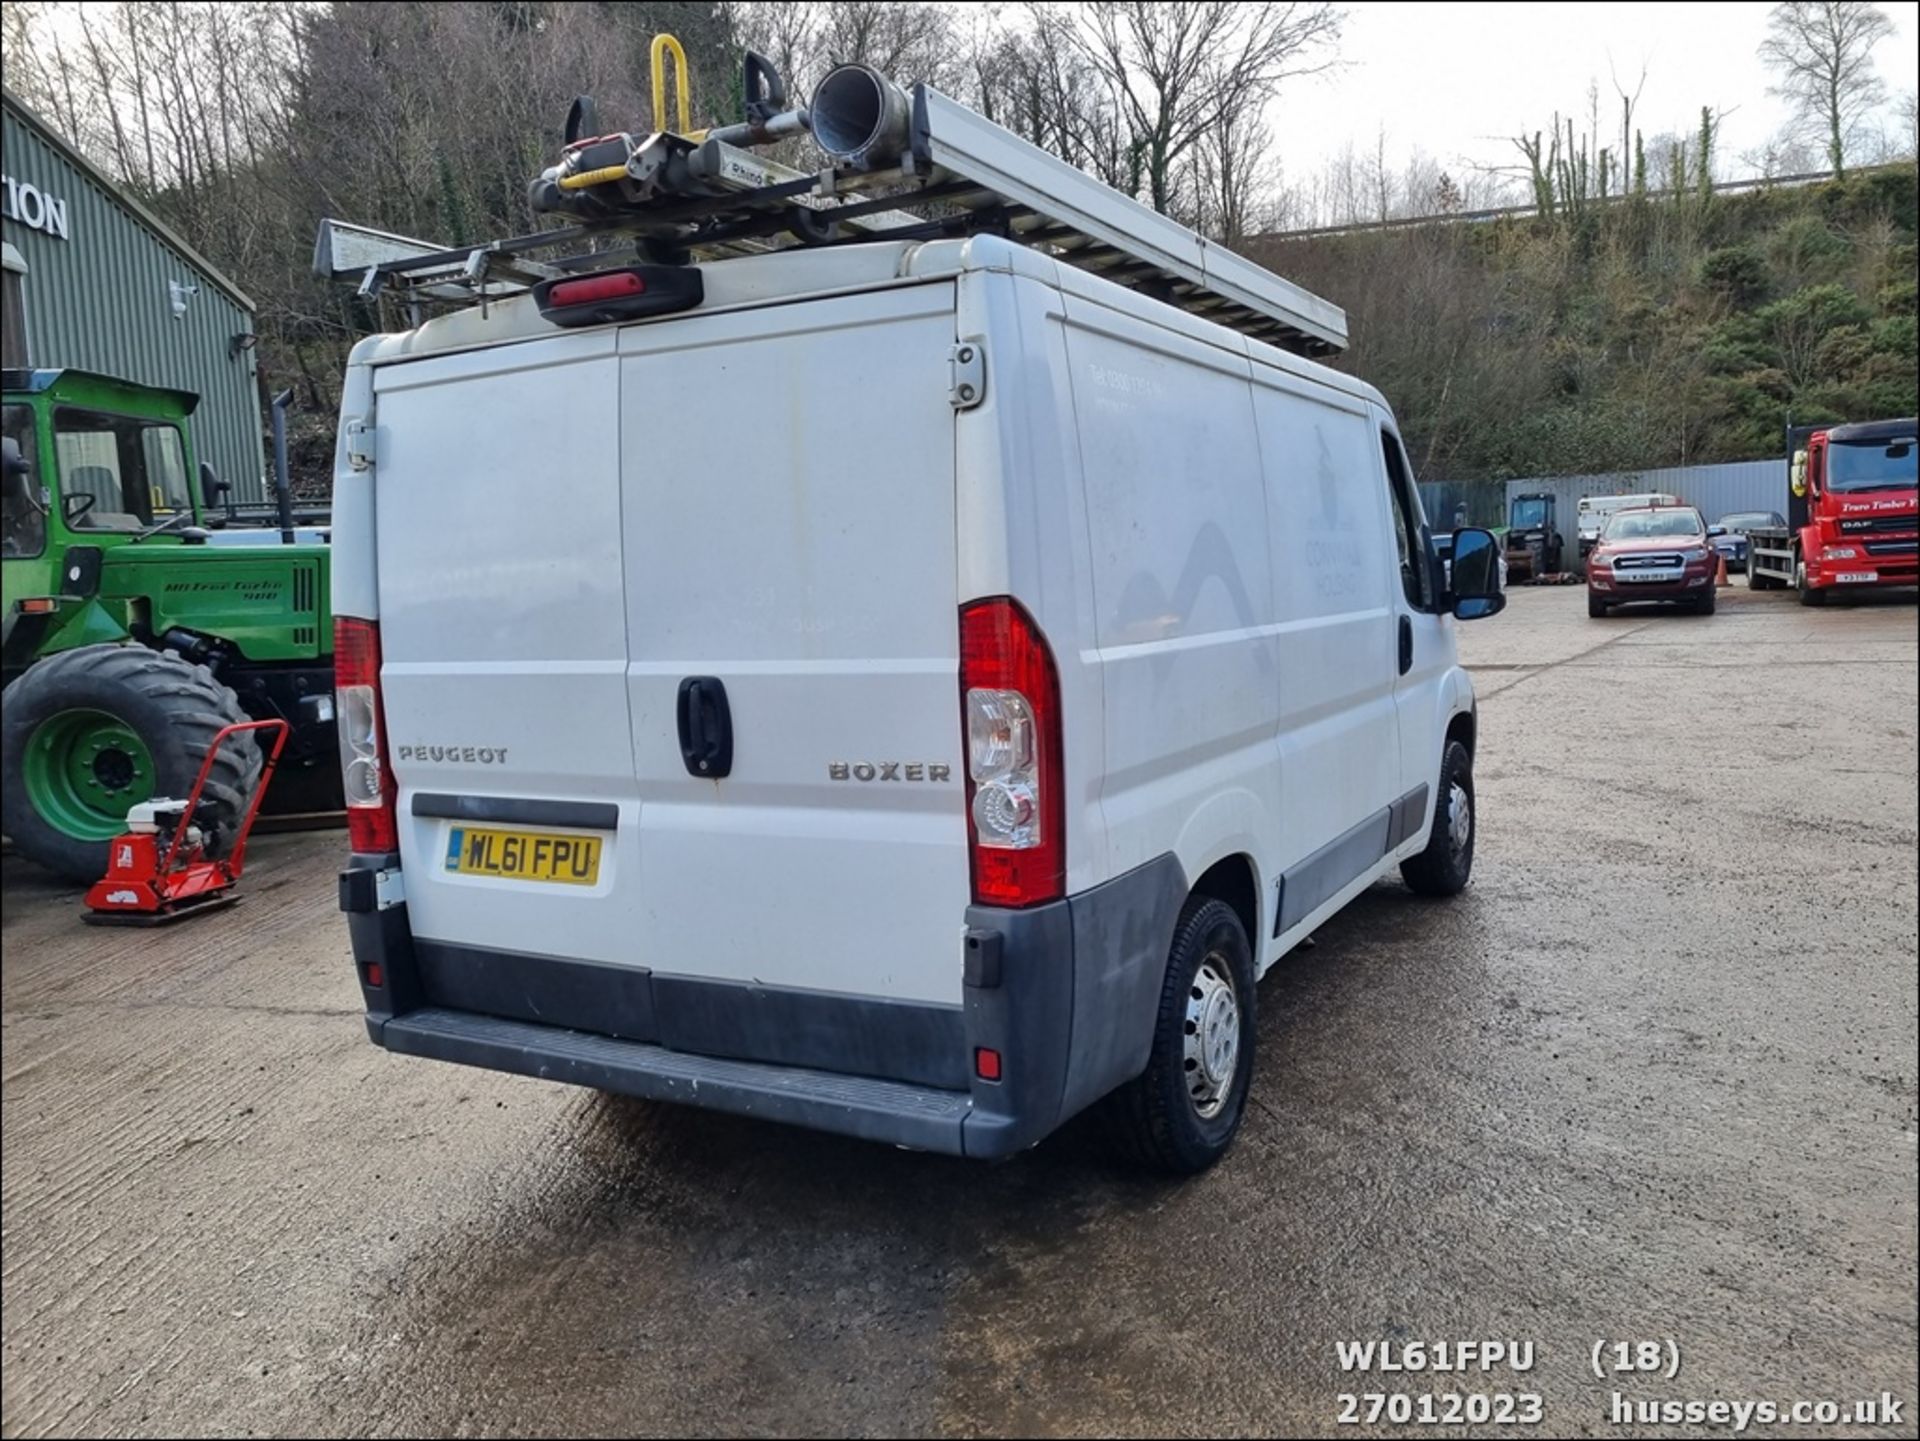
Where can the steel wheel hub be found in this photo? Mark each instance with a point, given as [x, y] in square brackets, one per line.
[1212, 1050]
[1459, 818]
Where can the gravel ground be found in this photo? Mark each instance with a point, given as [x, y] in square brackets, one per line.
[1653, 1076]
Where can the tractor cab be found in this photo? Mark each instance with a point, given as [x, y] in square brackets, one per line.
[1534, 545]
[127, 640]
[92, 463]
[107, 457]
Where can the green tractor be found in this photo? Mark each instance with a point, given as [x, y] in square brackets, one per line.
[138, 620]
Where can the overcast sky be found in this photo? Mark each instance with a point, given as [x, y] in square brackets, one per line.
[1456, 79]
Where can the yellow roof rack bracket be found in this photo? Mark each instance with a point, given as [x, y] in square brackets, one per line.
[664, 44]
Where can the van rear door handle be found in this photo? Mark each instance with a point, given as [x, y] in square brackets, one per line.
[1406, 644]
[706, 727]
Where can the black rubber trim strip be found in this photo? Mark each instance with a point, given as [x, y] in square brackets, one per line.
[911, 1042]
[1342, 860]
[519, 811]
[1407, 813]
[874, 1110]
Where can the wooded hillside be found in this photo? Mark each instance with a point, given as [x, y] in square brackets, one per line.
[1642, 333]
[1614, 328]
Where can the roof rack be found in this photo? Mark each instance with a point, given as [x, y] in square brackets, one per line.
[675, 194]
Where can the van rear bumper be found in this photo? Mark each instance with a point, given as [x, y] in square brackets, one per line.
[890, 1111]
[1065, 993]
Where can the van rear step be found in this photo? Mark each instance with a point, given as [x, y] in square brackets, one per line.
[874, 1110]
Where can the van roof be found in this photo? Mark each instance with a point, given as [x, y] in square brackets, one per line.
[742, 282]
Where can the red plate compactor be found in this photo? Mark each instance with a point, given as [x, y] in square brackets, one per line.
[159, 871]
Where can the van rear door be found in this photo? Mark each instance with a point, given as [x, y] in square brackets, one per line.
[504, 639]
[571, 529]
[789, 535]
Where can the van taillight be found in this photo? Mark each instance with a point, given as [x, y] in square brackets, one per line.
[364, 772]
[1016, 788]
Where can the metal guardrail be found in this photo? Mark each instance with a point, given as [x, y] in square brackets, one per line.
[1446, 217]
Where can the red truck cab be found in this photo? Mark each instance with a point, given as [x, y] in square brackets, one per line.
[1854, 512]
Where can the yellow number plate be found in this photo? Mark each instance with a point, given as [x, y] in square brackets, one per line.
[524, 855]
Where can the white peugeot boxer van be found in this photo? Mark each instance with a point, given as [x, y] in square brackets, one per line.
[909, 689]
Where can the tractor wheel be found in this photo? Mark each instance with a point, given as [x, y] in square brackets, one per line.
[89, 733]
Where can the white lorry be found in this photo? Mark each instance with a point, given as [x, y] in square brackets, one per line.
[911, 689]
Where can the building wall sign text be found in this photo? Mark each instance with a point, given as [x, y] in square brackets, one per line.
[33, 207]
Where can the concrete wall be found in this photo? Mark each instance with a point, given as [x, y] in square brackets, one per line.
[100, 291]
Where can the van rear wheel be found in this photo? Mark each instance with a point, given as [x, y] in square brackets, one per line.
[1181, 1114]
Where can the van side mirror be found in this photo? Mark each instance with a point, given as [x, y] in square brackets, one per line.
[1714, 531]
[1475, 591]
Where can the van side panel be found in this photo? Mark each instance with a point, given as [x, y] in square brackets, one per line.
[1183, 584]
[788, 524]
[1022, 520]
[1334, 578]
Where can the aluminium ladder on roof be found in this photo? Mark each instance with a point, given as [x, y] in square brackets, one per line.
[981, 178]
[1088, 223]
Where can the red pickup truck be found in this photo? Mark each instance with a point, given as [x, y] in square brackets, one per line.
[1652, 553]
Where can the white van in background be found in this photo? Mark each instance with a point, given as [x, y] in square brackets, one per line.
[912, 690]
[1594, 510]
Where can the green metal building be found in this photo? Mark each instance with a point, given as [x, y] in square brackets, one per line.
[95, 280]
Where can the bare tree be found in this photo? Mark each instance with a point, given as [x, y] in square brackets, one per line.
[1627, 106]
[909, 42]
[1177, 70]
[1233, 169]
[1036, 82]
[787, 34]
[1823, 53]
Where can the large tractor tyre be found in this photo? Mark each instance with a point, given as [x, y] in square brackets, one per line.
[89, 733]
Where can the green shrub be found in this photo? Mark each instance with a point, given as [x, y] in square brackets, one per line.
[1738, 272]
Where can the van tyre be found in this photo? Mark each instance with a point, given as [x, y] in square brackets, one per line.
[1707, 603]
[1181, 1114]
[1596, 607]
[1446, 865]
[87, 733]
